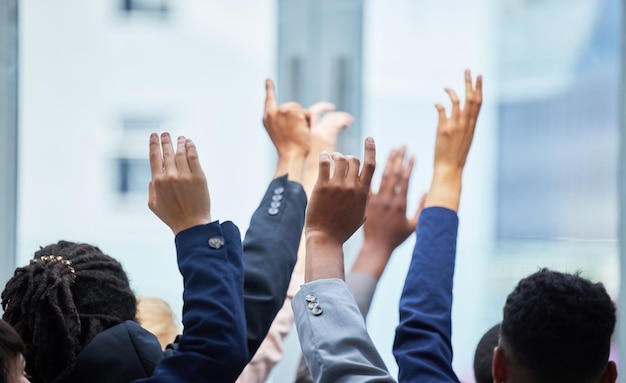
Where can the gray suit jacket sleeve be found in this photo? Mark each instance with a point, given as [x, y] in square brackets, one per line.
[270, 250]
[363, 287]
[333, 337]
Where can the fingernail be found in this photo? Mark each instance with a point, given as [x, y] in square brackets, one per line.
[181, 138]
[324, 156]
[189, 142]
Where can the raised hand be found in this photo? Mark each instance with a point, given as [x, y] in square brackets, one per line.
[288, 127]
[179, 194]
[336, 210]
[454, 138]
[325, 129]
[387, 225]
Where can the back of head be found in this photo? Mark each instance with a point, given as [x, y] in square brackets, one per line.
[11, 346]
[484, 355]
[67, 294]
[156, 316]
[558, 327]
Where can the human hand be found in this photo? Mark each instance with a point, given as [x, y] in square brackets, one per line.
[287, 124]
[325, 129]
[336, 210]
[178, 191]
[455, 133]
[337, 206]
[387, 225]
[454, 138]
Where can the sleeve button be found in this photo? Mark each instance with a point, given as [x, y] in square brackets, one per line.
[311, 298]
[216, 242]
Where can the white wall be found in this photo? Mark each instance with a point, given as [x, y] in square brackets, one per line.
[84, 66]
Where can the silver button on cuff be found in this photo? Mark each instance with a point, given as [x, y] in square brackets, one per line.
[216, 242]
[272, 211]
[277, 197]
[313, 304]
[279, 190]
[275, 204]
[311, 298]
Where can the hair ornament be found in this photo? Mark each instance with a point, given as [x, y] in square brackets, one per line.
[59, 259]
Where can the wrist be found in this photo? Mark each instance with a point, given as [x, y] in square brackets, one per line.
[181, 226]
[324, 257]
[372, 260]
[291, 164]
[445, 190]
[374, 246]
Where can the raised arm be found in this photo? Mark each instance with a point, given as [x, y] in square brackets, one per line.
[325, 126]
[332, 333]
[288, 128]
[422, 345]
[271, 243]
[213, 344]
[387, 225]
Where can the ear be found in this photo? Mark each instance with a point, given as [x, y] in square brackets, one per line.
[498, 366]
[610, 374]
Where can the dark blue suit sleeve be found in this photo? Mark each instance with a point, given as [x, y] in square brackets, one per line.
[422, 345]
[213, 345]
[270, 251]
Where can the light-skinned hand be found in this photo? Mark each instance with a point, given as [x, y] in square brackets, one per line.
[178, 191]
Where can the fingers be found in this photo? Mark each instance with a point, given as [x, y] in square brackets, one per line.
[156, 158]
[455, 102]
[270, 95]
[192, 157]
[406, 176]
[341, 165]
[353, 168]
[479, 89]
[369, 162]
[442, 114]
[169, 165]
[386, 184]
[324, 168]
[317, 109]
[182, 164]
[468, 84]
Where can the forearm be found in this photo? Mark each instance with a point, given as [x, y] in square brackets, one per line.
[324, 258]
[270, 249]
[422, 345]
[271, 350]
[372, 259]
[350, 357]
[445, 189]
[290, 164]
[213, 344]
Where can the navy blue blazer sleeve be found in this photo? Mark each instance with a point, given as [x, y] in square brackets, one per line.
[422, 346]
[213, 345]
[270, 251]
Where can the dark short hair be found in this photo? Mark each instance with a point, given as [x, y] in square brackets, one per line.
[11, 346]
[483, 357]
[558, 326]
[58, 310]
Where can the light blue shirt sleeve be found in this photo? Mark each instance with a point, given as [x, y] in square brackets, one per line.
[333, 336]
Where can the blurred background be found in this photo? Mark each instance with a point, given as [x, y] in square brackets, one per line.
[83, 83]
